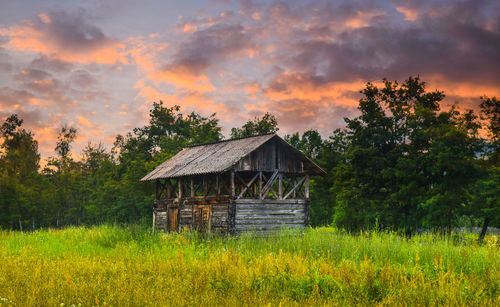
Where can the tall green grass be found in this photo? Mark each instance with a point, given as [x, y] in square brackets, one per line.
[110, 265]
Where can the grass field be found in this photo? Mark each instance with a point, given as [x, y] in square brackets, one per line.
[110, 265]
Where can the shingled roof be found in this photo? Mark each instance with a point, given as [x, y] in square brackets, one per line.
[211, 158]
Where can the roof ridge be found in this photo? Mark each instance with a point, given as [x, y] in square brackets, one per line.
[229, 140]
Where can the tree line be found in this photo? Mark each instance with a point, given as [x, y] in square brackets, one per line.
[403, 163]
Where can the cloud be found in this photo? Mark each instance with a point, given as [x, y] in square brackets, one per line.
[51, 63]
[12, 98]
[84, 121]
[67, 36]
[304, 61]
[5, 61]
[205, 50]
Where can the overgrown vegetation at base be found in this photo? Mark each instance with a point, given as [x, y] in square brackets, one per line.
[109, 265]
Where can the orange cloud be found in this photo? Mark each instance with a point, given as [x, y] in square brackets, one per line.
[189, 28]
[183, 78]
[145, 53]
[292, 85]
[85, 122]
[461, 89]
[408, 13]
[364, 18]
[43, 35]
[190, 100]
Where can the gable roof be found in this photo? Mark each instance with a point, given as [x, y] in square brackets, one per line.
[212, 157]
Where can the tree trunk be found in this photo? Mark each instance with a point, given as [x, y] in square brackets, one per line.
[483, 230]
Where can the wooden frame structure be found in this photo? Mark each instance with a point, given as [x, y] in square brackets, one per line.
[262, 188]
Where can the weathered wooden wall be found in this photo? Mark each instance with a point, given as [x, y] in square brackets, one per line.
[270, 214]
[269, 157]
[219, 213]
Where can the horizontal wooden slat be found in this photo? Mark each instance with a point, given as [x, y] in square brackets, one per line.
[277, 217]
[220, 219]
[269, 221]
[267, 226]
[273, 212]
[220, 214]
[264, 207]
[269, 201]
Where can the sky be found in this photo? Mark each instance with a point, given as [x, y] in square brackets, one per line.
[100, 65]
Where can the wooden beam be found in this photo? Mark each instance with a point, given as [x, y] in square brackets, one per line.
[307, 187]
[260, 184]
[154, 220]
[205, 186]
[294, 183]
[247, 186]
[179, 183]
[192, 186]
[295, 187]
[233, 188]
[168, 183]
[280, 186]
[157, 189]
[217, 185]
[269, 184]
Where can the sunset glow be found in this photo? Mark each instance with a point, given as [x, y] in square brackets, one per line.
[99, 67]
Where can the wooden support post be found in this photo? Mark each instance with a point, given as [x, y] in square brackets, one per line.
[307, 187]
[168, 184]
[294, 184]
[192, 186]
[280, 186]
[217, 186]
[154, 220]
[260, 185]
[205, 187]
[269, 185]
[157, 189]
[179, 183]
[233, 188]
[247, 186]
[295, 188]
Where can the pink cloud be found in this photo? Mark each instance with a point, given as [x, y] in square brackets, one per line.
[69, 37]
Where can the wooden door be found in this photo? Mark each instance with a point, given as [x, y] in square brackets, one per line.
[202, 215]
[173, 220]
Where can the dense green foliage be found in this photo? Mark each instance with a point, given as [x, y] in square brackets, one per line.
[403, 163]
[115, 266]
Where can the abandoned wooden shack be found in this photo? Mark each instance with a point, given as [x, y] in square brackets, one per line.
[258, 183]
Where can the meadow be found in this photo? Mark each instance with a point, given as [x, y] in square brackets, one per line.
[129, 266]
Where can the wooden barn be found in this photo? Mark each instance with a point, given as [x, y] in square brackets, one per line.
[258, 183]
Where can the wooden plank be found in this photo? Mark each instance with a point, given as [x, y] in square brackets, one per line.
[270, 212]
[269, 201]
[300, 215]
[266, 207]
[294, 188]
[269, 184]
[217, 185]
[260, 184]
[270, 222]
[275, 217]
[192, 186]
[280, 186]
[267, 226]
[205, 186]
[307, 187]
[249, 184]
[219, 215]
[179, 184]
[233, 187]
